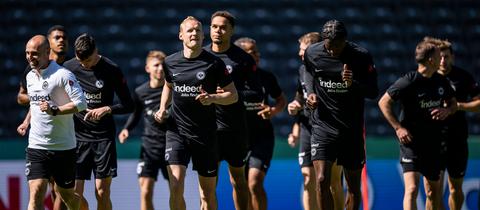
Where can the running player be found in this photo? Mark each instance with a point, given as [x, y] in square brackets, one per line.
[101, 80]
[301, 129]
[422, 128]
[231, 120]
[467, 93]
[343, 76]
[262, 138]
[152, 152]
[58, 41]
[54, 95]
[192, 76]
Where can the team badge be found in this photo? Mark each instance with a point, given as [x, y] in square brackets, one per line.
[441, 91]
[167, 156]
[99, 83]
[200, 75]
[229, 69]
[314, 151]
[45, 85]
[300, 160]
[27, 168]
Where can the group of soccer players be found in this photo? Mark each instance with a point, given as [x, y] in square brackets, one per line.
[210, 103]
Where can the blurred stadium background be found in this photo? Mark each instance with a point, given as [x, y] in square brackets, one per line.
[126, 30]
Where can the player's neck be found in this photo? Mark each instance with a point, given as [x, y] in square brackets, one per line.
[425, 71]
[221, 47]
[191, 53]
[155, 83]
[56, 57]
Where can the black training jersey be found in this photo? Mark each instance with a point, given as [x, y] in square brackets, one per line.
[241, 67]
[303, 117]
[100, 84]
[147, 101]
[189, 77]
[340, 108]
[270, 88]
[465, 88]
[418, 96]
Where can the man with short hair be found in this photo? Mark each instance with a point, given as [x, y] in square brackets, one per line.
[192, 76]
[261, 136]
[422, 129]
[343, 76]
[101, 79]
[54, 95]
[58, 41]
[232, 133]
[152, 152]
[467, 93]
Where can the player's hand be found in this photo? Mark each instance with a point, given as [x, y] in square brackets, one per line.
[204, 98]
[293, 107]
[312, 101]
[123, 135]
[403, 135]
[97, 114]
[440, 113]
[347, 75]
[161, 116]
[45, 107]
[266, 112]
[292, 140]
[220, 90]
[22, 129]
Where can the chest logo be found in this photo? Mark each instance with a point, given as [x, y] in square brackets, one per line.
[200, 75]
[229, 69]
[441, 91]
[45, 85]
[99, 83]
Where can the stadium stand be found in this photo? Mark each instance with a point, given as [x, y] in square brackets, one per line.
[127, 30]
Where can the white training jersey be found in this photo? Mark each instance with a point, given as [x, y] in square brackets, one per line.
[57, 86]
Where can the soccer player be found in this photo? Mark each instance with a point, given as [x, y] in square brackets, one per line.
[101, 80]
[192, 76]
[301, 129]
[342, 75]
[54, 95]
[422, 128]
[58, 41]
[231, 119]
[467, 93]
[152, 152]
[262, 138]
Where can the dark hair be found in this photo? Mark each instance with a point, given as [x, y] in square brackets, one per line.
[442, 44]
[334, 30]
[424, 51]
[242, 40]
[56, 28]
[227, 15]
[84, 46]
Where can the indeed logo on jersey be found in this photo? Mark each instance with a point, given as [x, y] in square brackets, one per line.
[251, 106]
[37, 97]
[430, 104]
[187, 91]
[93, 97]
[333, 87]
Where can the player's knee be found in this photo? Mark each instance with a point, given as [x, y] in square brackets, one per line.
[308, 180]
[102, 193]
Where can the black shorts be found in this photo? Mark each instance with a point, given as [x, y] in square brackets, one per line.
[261, 149]
[421, 159]
[152, 159]
[348, 150]
[456, 156]
[233, 147]
[99, 157]
[203, 151]
[45, 164]
[305, 155]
